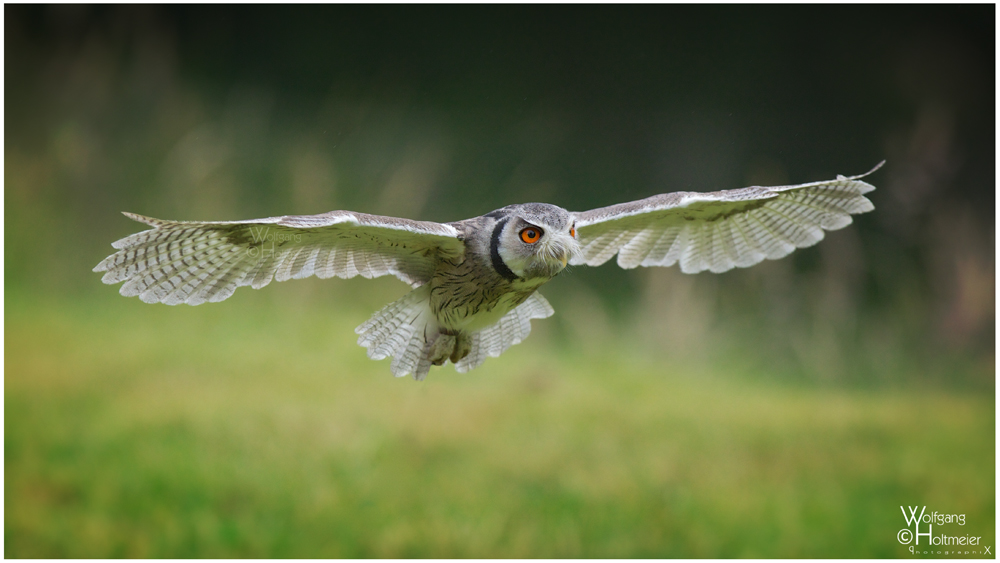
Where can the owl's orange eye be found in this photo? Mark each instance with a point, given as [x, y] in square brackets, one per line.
[531, 235]
[572, 233]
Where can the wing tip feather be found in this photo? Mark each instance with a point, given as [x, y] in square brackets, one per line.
[872, 171]
[152, 222]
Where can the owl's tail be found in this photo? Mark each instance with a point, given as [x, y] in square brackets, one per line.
[406, 330]
[403, 329]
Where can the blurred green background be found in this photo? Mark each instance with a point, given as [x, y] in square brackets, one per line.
[787, 410]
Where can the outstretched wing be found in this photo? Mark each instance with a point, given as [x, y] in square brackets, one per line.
[193, 262]
[719, 230]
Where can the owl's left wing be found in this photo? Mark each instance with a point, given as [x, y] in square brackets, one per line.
[717, 231]
[193, 262]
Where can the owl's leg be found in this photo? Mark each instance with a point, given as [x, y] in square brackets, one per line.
[449, 345]
[441, 348]
[463, 345]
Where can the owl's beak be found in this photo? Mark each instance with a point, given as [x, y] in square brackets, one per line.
[560, 250]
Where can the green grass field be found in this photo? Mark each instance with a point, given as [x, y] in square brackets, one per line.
[257, 428]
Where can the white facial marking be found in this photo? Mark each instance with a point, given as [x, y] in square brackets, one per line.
[550, 253]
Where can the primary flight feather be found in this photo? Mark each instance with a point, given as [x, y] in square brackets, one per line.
[475, 280]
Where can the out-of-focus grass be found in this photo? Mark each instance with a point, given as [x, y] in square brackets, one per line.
[256, 427]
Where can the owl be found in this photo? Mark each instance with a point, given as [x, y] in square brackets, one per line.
[475, 282]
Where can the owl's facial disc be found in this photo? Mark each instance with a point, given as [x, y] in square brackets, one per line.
[556, 248]
[538, 249]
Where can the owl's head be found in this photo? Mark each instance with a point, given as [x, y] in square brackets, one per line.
[534, 240]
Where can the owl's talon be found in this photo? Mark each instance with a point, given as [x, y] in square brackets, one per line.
[441, 348]
[463, 345]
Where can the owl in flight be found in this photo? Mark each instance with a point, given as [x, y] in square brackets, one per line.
[474, 281]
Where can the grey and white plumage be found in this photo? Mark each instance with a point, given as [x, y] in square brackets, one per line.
[474, 281]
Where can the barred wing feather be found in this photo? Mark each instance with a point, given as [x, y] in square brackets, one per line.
[718, 231]
[512, 329]
[193, 262]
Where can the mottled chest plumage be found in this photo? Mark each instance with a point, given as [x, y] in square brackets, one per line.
[475, 291]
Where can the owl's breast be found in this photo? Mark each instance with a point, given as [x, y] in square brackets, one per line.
[470, 296]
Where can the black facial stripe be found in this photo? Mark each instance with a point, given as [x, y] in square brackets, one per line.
[495, 258]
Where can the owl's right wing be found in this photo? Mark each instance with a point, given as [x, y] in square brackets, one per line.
[193, 262]
[717, 231]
